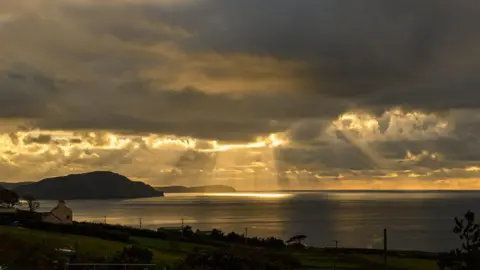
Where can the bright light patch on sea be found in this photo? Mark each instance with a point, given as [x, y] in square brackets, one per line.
[251, 195]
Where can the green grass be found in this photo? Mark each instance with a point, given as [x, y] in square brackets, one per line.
[404, 263]
[318, 259]
[170, 252]
[167, 251]
[88, 246]
[170, 246]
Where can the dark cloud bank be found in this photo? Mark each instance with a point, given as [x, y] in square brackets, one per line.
[91, 69]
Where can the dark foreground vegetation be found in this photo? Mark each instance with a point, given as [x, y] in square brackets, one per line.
[467, 257]
[100, 243]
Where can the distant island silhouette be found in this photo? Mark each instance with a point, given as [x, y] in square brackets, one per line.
[197, 189]
[93, 185]
[101, 185]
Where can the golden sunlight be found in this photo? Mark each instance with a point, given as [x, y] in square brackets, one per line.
[397, 124]
[473, 169]
[272, 141]
[252, 195]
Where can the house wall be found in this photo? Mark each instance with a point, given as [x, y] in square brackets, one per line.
[61, 214]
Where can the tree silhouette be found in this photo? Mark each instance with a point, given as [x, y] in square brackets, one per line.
[33, 204]
[297, 239]
[8, 198]
[469, 232]
[187, 231]
[468, 256]
[217, 234]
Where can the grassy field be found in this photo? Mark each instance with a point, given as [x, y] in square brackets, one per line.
[321, 260]
[403, 263]
[163, 251]
[169, 252]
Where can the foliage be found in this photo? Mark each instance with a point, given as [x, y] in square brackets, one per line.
[187, 232]
[87, 229]
[468, 256]
[134, 254]
[238, 260]
[216, 237]
[468, 231]
[297, 239]
[8, 198]
[33, 204]
[217, 234]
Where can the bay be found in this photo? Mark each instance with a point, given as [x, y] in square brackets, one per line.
[414, 220]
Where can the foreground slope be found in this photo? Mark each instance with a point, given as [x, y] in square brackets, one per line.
[171, 252]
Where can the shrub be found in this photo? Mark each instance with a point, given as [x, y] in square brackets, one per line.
[132, 255]
[238, 260]
[468, 256]
[86, 229]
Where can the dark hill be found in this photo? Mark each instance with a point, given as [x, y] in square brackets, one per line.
[93, 185]
[198, 189]
[9, 185]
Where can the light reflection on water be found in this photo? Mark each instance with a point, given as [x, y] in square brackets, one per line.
[384, 196]
[259, 195]
[415, 220]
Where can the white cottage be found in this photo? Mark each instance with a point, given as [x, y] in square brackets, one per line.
[60, 214]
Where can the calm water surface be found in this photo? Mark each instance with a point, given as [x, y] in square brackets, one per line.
[415, 221]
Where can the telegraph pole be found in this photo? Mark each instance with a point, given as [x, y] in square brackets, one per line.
[140, 220]
[105, 219]
[181, 232]
[336, 243]
[246, 235]
[385, 248]
[336, 254]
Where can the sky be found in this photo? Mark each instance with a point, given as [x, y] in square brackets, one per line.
[354, 94]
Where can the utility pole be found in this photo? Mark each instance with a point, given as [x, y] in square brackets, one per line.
[385, 248]
[336, 254]
[105, 220]
[336, 243]
[140, 220]
[181, 232]
[246, 235]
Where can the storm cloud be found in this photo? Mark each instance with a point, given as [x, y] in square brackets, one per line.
[361, 89]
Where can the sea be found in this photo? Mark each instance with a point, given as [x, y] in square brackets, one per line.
[356, 219]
